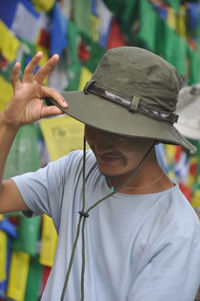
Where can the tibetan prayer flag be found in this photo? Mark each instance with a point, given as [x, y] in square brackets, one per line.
[25, 24]
[28, 234]
[23, 156]
[18, 275]
[116, 38]
[174, 3]
[4, 283]
[43, 5]
[182, 21]
[193, 14]
[96, 53]
[95, 25]
[105, 16]
[172, 18]
[9, 44]
[82, 11]
[6, 93]
[176, 50]
[34, 280]
[195, 202]
[62, 135]
[45, 276]
[49, 242]
[84, 78]
[59, 31]
[73, 39]
[194, 70]
[8, 227]
[7, 12]
[3, 251]
[73, 72]
[148, 24]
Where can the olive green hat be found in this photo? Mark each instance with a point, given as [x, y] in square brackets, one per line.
[133, 92]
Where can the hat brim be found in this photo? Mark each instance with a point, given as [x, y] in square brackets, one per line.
[92, 110]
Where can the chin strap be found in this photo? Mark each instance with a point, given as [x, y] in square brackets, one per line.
[85, 214]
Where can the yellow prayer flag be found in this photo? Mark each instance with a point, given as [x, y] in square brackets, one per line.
[45, 56]
[3, 252]
[171, 175]
[49, 242]
[190, 180]
[6, 92]
[95, 24]
[18, 275]
[9, 44]
[182, 21]
[84, 77]
[172, 18]
[195, 202]
[44, 5]
[62, 135]
[170, 151]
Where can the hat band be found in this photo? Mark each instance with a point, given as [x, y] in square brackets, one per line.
[133, 105]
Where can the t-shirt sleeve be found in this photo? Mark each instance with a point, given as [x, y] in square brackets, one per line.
[42, 191]
[172, 271]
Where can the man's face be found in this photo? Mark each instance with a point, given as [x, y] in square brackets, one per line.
[116, 155]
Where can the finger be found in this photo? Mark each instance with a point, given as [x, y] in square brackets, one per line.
[46, 69]
[15, 76]
[49, 92]
[49, 111]
[29, 70]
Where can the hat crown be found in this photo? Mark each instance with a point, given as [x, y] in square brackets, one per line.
[132, 71]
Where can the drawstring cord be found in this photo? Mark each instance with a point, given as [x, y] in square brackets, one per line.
[84, 214]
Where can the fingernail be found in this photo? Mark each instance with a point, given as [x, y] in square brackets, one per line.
[64, 103]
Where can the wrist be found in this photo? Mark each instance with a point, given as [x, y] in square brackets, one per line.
[6, 125]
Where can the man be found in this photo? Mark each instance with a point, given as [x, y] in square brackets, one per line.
[125, 230]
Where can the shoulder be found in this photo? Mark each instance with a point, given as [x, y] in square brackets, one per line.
[176, 212]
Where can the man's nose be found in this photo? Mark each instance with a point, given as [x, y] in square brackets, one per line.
[103, 142]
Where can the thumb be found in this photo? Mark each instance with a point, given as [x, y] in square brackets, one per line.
[50, 111]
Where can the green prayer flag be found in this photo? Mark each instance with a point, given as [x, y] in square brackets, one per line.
[160, 38]
[194, 71]
[149, 21]
[34, 280]
[23, 156]
[96, 53]
[28, 234]
[176, 50]
[174, 3]
[73, 73]
[6, 73]
[129, 11]
[73, 42]
[125, 12]
[82, 12]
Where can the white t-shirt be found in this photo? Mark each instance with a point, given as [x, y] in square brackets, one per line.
[138, 247]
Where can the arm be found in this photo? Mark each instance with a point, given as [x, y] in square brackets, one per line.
[26, 106]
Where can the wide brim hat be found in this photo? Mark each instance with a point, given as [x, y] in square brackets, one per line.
[133, 92]
[188, 109]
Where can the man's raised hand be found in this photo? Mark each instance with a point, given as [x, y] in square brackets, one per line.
[27, 103]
